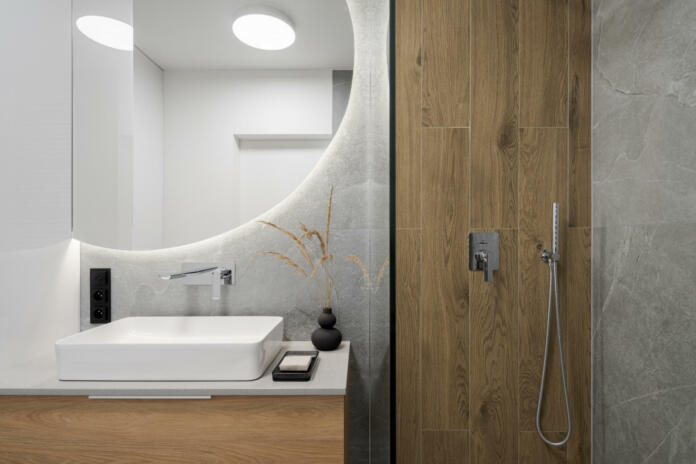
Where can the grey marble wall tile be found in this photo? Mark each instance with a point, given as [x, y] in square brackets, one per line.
[643, 429]
[646, 46]
[644, 112]
[356, 163]
[644, 241]
[678, 445]
[644, 337]
[648, 315]
[644, 168]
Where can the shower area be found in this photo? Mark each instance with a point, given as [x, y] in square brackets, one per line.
[493, 140]
[644, 232]
[545, 202]
[493, 231]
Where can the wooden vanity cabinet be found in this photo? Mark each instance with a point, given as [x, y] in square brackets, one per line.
[224, 429]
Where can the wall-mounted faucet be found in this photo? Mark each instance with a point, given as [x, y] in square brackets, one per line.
[484, 253]
[204, 274]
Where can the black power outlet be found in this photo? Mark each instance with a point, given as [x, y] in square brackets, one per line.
[100, 296]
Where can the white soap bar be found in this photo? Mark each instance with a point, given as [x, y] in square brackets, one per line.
[295, 363]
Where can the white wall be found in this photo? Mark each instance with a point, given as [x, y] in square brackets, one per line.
[39, 264]
[270, 170]
[103, 132]
[148, 161]
[206, 179]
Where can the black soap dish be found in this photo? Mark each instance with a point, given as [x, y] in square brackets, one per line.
[296, 376]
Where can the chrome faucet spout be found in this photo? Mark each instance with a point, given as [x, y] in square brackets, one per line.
[205, 274]
[179, 275]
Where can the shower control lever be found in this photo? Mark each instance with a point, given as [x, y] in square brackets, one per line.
[482, 264]
[484, 253]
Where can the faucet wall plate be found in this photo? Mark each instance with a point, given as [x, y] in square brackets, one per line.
[484, 244]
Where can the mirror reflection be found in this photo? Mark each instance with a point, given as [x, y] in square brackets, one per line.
[193, 117]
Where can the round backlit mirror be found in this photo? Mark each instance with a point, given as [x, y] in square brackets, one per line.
[215, 113]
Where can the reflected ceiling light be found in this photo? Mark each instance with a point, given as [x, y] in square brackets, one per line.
[107, 31]
[264, 28]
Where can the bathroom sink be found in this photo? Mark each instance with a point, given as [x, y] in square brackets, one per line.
[172, 348]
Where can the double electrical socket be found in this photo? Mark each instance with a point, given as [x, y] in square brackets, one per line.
[100, 295]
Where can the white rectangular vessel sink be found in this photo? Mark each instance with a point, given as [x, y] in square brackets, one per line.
[172, 348]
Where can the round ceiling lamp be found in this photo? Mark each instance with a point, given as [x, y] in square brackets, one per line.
[107, 31]
[264, 28]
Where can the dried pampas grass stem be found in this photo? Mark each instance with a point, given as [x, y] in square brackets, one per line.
[382, 270]
[357, 261]
[366, 275]
[328, 216]
[300, 244]
[287, 260]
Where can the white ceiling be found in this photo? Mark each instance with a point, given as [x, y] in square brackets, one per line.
[198, 34]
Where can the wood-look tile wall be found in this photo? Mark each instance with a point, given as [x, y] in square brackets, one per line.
[492, 127]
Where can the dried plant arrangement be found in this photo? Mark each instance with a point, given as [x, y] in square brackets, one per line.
[316, 259]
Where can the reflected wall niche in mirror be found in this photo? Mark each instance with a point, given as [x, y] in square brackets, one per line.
[203, 115]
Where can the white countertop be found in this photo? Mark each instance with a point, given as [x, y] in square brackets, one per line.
[41, 378]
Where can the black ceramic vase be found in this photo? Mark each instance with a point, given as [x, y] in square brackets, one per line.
[326, 337]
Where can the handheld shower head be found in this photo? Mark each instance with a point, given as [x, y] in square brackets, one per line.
[551, 257]
[554, 247]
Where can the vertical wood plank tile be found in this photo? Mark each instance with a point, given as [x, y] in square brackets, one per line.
[580, 112]
[446, 63]
[493, 362]
[580, 343]
[534, 451]
[543, 180]
[494, 110]
[543, 177]
[521, 75]
[544, 63]
[407, 334]
[446, 447]
[445, 311]
[408, 112]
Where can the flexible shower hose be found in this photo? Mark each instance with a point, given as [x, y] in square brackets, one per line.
[553, 292]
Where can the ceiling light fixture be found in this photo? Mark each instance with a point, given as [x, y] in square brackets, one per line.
[264, 28]
[107, 31]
